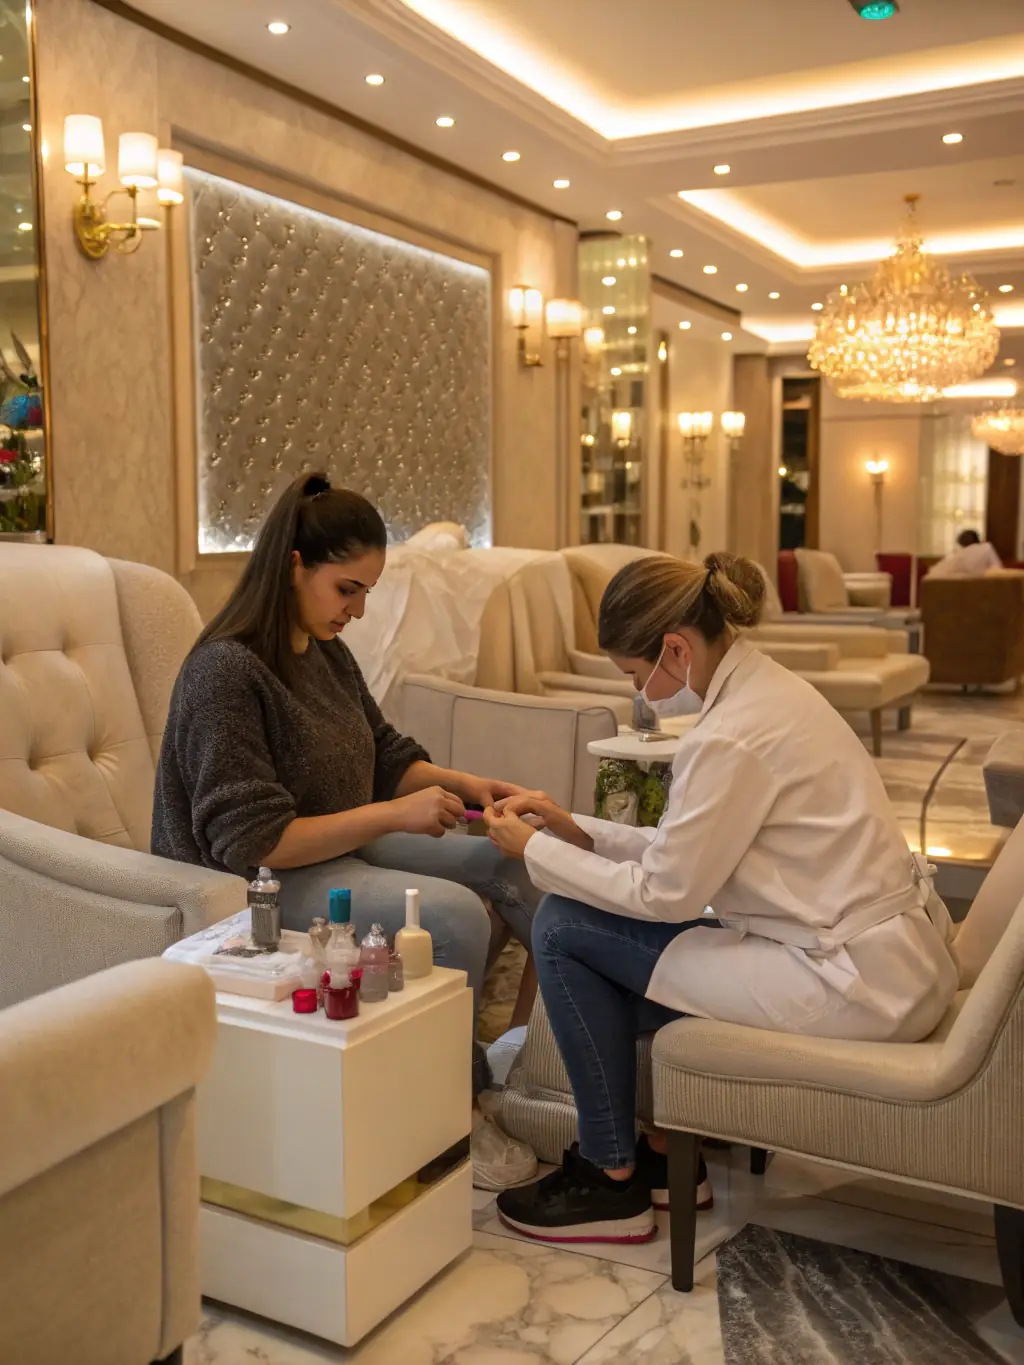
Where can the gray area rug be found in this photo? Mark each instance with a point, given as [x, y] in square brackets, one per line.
[788, 1300]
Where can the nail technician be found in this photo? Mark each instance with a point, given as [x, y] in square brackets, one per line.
[777, 818]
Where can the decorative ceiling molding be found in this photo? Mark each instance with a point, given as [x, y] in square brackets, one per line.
[763, 234]
[936, 77]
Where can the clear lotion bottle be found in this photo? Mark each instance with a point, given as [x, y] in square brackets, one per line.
[414, 943]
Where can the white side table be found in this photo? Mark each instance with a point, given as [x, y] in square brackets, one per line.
[310, 1134]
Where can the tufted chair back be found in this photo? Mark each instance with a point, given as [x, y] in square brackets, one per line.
[89, 651]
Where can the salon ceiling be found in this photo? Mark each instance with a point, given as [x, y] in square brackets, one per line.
[824, 119]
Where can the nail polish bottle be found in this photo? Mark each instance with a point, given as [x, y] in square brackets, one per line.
[413, 942]
[264, 910]
[396, 973]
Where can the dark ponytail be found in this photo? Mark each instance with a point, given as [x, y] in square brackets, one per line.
[327, 526]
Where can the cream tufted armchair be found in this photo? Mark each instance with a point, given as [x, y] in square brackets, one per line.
[89, 651]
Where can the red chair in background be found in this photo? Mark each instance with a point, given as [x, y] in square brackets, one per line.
[789, 581]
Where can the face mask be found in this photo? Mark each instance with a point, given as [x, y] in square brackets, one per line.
[682, 703]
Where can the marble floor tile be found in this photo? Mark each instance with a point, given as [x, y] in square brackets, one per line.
[504, 1303]
[790, 1300]
[667, 1329]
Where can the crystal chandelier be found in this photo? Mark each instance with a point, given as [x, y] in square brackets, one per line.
[1001, 429]
[908, 333]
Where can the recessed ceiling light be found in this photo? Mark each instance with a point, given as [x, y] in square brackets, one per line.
[24, 227]
[613, 215]
[676, 252]
[560, 184]
[621, 262]
[742, 288]
[723, 169]
[1009, 360]
[632, 333]
[616, 370]
[608, 310]
[685, 326]
[951, 139]
[26, 127]
[727, 336]
[817, 307]
[375, 78]
[774, 294]
[510, 156]
[445, 121]
[1006, 289]
[711, 270]
[608, 279]
[278, 27]
[26, 79]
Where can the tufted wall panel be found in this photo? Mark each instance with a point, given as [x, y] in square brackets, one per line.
[320, 343]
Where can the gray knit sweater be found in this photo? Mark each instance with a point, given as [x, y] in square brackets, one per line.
[243, 754]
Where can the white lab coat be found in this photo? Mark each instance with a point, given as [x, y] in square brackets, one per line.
[777, 818]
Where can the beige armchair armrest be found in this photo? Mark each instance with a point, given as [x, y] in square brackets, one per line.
[868, 589]
[619, 686]
[71, 906]
[801, 658]
[861, 642]
[85, 1061]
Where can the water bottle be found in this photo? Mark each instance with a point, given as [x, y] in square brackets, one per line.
[375, 960]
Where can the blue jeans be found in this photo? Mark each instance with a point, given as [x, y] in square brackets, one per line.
[451, 875]
[594, 969]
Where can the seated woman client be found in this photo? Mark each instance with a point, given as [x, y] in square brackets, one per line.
[276, 754]
[821, 922]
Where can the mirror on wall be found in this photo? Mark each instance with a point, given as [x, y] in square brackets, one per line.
[23, 474]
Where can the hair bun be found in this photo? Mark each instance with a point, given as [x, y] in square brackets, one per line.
[737, 587]
[316, 483]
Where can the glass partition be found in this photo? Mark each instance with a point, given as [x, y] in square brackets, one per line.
[24, 508]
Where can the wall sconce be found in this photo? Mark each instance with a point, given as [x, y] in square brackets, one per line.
[695, 427]
[622, 427]
[527, 308]
[593, 340]
[141, 165]
[733, 426]
[564, 318]
[877, 470]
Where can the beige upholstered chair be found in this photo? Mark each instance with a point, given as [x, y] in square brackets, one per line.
[99, 1186]
[89, 650]
[946, 1113]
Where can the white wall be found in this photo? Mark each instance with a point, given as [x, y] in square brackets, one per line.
[853, 432]
[700, 380]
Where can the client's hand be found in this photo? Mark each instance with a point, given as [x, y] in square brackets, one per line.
[484, 791]
[430, 811]
[543, 813]
[508, 832]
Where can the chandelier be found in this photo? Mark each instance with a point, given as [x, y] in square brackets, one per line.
[909, 332]
[1001, 429]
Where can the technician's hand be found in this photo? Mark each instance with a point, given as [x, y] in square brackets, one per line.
[430, 811]
[485, 791]
[543, 813]
[508, 832]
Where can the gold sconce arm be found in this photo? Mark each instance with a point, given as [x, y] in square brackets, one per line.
[95, 232]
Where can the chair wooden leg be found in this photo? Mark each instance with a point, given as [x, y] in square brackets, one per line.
[1010, 1245]
[876, 733]
[527, 994]
[683, 1153]
[758, 1161]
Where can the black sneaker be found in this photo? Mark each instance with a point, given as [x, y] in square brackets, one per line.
[653, 1167]
[579, 1203]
